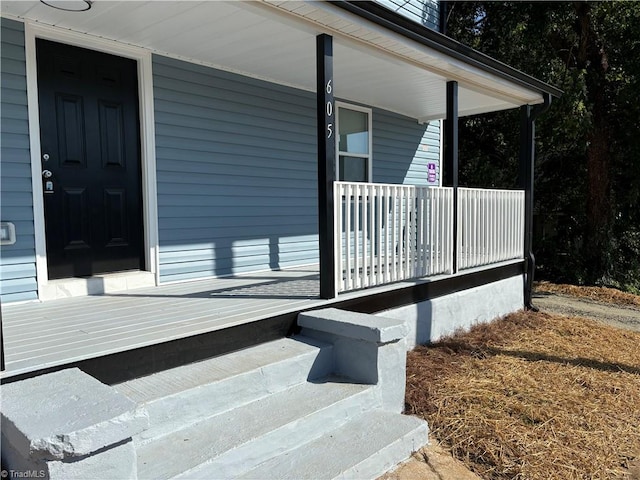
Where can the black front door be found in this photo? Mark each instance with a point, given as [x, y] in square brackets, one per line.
[91, 171]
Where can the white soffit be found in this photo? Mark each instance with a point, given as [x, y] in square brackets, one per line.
[350, 25]
[275, 41]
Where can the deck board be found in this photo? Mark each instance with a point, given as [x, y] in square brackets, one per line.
[58, 332]
[38, 335]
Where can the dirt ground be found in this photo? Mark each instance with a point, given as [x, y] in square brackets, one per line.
[431, 463]
[435, 463]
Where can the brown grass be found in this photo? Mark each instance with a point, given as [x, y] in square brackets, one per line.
[598, 294]
[533, 396]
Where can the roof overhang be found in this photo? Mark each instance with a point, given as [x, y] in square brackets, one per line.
[380, 59]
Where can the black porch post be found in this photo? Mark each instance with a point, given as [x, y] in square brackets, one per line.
[451, 159]
[528, 115]
[527, 158]
[1, 343]
[443, 11]
[326, 163]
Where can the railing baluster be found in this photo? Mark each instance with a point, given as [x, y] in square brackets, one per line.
[365, 230]
[387, 233]
[348, 229]
[402, 252]
[439, 252]
[491, 226]
[356, 245]
[337, 202]
[439, 248]
[373, 232]
[393, 220]
[472, 211]
[434, 244]
[408, 254]
[463, 218]
[419, 272]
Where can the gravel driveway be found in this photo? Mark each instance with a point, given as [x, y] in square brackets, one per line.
[615, 315]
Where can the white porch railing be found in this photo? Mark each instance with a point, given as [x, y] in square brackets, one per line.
[387, 233]
[490, 226]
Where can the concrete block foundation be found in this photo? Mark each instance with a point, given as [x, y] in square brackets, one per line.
[433, 319]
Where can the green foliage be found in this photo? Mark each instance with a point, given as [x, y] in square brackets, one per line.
[587, 176]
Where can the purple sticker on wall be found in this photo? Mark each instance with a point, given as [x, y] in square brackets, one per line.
[431, 172]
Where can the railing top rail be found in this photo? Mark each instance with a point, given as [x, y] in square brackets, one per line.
[496, 190]
[389, 185]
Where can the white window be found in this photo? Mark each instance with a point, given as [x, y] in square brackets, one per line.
[354, 143]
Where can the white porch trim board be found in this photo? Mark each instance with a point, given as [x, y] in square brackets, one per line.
[34, 30]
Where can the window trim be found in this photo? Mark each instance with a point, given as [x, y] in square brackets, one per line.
[369, 156]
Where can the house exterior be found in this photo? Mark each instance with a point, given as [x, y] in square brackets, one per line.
[155, 144]
[231, 148]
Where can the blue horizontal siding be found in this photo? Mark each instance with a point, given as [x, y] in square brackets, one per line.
[189, 160]
[236, 172]
[17, 262]
[270, 178]
[403, 148]
[226, 236]
[236, 169]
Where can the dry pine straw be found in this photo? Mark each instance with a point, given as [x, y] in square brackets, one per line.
[598, 294]
[533, 396]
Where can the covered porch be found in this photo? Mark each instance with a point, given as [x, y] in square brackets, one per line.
[226, 104]
[233, 178]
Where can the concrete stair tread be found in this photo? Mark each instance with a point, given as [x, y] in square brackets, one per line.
[185, 395]
[236, 438]
[365, 447]
[175, 380]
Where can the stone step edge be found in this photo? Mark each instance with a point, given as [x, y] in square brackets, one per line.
[348, 445]
[134, 388]
[188, 407]
[228, 447]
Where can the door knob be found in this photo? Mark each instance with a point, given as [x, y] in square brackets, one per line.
[47, 173]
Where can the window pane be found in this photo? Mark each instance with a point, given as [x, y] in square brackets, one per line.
[352, 169]
[354, 135]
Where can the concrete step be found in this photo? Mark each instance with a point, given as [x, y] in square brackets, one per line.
[363, 448]
[235, 441]
[184, 395]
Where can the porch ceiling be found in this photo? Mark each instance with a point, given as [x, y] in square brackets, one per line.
[276, 41]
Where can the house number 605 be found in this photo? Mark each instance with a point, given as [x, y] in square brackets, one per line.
[329, 89]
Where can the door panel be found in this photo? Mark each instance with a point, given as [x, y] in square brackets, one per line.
[75, 213]
[116, 217]
[90, 130]
[112, 134]
[70, 130]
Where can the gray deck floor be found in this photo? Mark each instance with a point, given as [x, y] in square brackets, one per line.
[40, 335]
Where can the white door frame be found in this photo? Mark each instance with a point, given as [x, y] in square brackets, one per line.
[147, 137]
